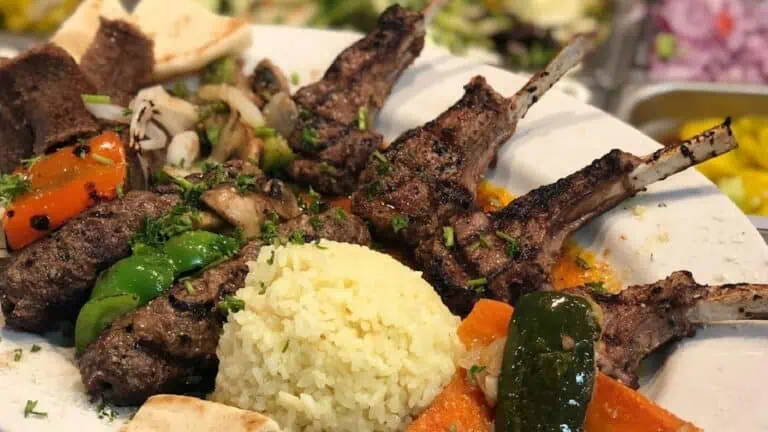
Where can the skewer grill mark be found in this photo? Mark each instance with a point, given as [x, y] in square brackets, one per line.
[543, 80]
[671, 160]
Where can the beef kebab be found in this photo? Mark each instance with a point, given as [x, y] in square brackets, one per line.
[512, 252]
[430, 173]
[332, 135]
[169, 345]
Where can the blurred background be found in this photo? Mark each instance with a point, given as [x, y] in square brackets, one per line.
[669, 67]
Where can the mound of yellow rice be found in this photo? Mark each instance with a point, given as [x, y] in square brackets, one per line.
[336, 338]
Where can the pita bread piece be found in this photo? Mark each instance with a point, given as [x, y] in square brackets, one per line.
[171, 413]
[188, 36]
[76, 33]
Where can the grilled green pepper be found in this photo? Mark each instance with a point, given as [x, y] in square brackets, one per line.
[548, 369]
[277, 155]
[98, 313]
[194, 250]
[134, 281]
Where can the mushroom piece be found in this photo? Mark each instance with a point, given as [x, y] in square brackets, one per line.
[183, 149]
[281, 113]
[246, 212]
[237, 101]
[282, 200]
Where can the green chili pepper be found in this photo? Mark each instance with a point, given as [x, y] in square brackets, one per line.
[194, 250]
[98, 313]
[145, 275]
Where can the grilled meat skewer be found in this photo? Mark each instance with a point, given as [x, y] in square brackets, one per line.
[642, 319]
[331, 136]
[430, 173]
[511, 252]
[169, 345]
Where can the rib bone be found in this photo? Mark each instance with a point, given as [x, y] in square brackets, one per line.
[540, 222]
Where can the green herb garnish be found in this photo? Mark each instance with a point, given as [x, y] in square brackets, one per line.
[154, 232]
[127, 112]
[310, 138]
[29, 163]
[285, 347]
[230, 304]
[29, 410]
[265, 132]
[597, 286]
[96, 99]
[102, 159]
[220, 71]
[316, 223]
[35, 348]
[106, 412]
[448, 236]
[297, 238]
[190, 289]
[179, 89]
[17, 353]
[474, 370]
[340, 214]
[582, 263]
[362, 118]
[383, 167]
[271, 259]
[269, 228]
[295, 78]
[473, 283]
[244, 182]
[212, 134]
[12, 186]
[399, 223]
[513, 245]
[120, 192]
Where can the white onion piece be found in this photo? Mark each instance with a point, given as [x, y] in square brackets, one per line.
[156, 138]
[180, 114]
[236, 99]
[142, 113]
[108, 112]
[183, 149]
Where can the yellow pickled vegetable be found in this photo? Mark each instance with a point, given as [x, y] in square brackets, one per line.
[743, 173]
[34, 15]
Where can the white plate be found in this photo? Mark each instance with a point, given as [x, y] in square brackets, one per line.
[715, 380]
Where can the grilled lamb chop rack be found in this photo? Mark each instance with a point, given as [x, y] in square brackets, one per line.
[169, 345]
[331, 136]
[512, 252]
[643, 318]
[430, 173]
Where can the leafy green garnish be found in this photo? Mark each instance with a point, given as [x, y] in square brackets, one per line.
[29, 410]
[212, 134]
[448, 236]
[154, 232]
[310, 138]
[231, 304]
[12, 186]
[244, 182]
[269, 231]
[383, 167]
[264, 132]
[399, 223]
[35, 348]
[340, 214]
[597, 286]
[211, 109]
[179, 89]
[105, 411]
[17, 353]
[513, 245]
[362, 118]
[297, 238]
[295, 78]
[220, 71]
[95, 99]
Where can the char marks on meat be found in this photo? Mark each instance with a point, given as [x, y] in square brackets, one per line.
[43, 87]
[641, 319]
[169, 345]
[332, 147]
[431, 172]
[51, 279]
[119, 60]
[511, 252]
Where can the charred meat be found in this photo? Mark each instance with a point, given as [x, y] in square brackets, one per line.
[430, 173]
[169, 346]
[119, 60]
[511, 252]
[332, 136]
[642, 319]
[44, 88]
[49, 280]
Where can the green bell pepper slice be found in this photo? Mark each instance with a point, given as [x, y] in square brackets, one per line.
[146, 275]
[98, 313]
[194, 250]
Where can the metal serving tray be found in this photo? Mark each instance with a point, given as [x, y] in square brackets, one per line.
[659, 109]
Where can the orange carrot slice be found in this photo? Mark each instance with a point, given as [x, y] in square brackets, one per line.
[63, 184]
[617, 408]
[488, 321]
[459, 407]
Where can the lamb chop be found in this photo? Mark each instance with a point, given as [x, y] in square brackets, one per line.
[332, 137]
[430, 173]
[169, 345]
[643, 318]
[512, 252]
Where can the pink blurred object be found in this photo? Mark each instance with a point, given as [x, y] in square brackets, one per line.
[714, 40]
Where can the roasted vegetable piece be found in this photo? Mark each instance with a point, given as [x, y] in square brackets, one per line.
[96, 315]
[549, 364]
[145, 275]
[64, 184]
[277, 155]
[220, 71]
[194, 250]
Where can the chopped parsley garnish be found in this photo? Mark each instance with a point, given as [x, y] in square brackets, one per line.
[29, 410]
[474, 370]
[35, 348]
[285, 347]
[582, 263]
[96, 99]
[265, 132]
[479, 282]
[244, 182]
[362, 118]
[340, 214]
[12, 186]
[120, 192]
[513, 245]
[372, 189]
[211, 109]
[310, 138]
[179, 89]
[449, 237]
[17, 353]
[315, 204]
[102, 159]
[297, 238]
[316, 222]
[295, 78]
[127, 112]
[263, 286]
[383, 167]
[212, 134]
[483, 241]
[271, 259]
[154, 232]
[327, 168]
[220, 71]
[106, 412]
[29, 163]
[318, 245]
[597, 286]
[399, 223]
[190, 289]
[473, 247]
[230, 304]
[269, 229]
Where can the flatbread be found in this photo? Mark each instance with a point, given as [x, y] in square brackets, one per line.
[76, 34]
[188, 36]
[171, 413]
